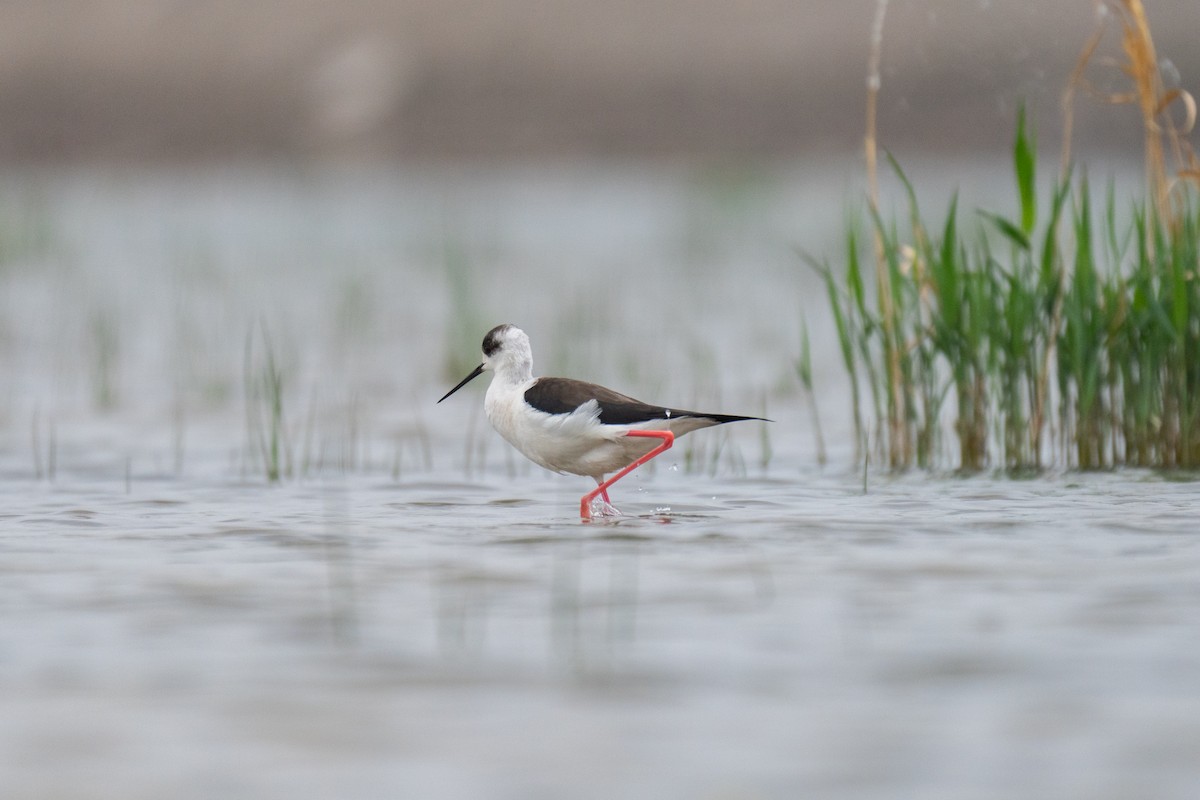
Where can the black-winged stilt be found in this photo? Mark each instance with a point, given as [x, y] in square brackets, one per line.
[572, 426]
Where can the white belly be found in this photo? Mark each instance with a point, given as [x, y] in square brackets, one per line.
[576, 443]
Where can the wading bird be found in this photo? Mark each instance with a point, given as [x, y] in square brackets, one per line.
[572, 426]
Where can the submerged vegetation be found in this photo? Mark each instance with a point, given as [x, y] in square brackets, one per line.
[1064, 335]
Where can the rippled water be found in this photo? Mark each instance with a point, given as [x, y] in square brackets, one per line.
[416, 613]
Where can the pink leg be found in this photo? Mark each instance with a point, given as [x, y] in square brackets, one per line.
[668, 438]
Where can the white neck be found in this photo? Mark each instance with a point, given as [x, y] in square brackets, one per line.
[514, 369]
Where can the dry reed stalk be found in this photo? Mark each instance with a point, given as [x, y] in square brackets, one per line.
[1142, 67]
[899, 443]
[1153, 100]
[1077, 81]
[873, 84]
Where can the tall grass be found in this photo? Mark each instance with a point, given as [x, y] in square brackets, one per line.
[995, 327]
[267, 437]
[1061, 335]
[805, 374]
[104, 344]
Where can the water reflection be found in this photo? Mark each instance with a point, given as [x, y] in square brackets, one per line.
[577, 598]
[339, 560]
[593, 628]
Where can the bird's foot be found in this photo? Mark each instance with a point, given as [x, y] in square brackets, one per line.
[602, 508]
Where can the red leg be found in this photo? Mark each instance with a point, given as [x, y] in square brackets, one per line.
[668, 438]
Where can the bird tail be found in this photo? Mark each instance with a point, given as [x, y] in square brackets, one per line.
[721, 419]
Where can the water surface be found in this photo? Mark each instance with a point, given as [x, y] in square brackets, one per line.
[414, 612]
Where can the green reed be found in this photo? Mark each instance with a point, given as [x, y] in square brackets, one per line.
[1059, 336]
[266, 428]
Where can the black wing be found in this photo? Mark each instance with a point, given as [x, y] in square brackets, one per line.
[564, 395]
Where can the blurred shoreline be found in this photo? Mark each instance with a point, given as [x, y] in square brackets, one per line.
[149, 81]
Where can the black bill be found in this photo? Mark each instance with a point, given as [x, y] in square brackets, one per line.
[475, 373]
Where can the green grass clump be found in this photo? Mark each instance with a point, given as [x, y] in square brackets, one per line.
[1059, 336]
